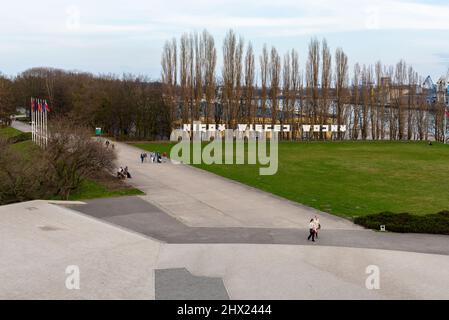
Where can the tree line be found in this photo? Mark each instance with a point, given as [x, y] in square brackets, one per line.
[124, 107]
[375, 101]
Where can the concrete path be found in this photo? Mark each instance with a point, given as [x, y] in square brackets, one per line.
[24, 127]
[201, 199]
[136, 214]
[39, 240]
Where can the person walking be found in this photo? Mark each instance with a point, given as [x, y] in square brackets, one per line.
[316, 220]
[142, 157]
[312, 229]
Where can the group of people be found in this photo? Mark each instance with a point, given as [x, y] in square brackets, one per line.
[314, 226]
[108, 143]
[154, 157]
[123, 173]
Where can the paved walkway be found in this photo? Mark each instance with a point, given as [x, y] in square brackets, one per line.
[21, 126]
[201, 199]
[136, 214]
[39, 240]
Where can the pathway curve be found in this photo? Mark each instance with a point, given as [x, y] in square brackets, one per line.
[198, 198]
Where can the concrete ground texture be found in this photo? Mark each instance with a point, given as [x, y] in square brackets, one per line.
[195, 235]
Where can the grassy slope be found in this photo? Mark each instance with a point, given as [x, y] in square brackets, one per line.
[352, 178]
[9, 132]
[89, 189]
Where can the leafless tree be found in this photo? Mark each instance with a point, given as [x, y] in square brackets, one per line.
[209, 64]
[232, 76]
[264, 73]
[312, 78]
[356, 102]
[275, 77]
[249, 84]
[341, 87]
[169, 77]
[326, 81]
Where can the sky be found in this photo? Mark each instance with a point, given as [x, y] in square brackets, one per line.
[110, 36]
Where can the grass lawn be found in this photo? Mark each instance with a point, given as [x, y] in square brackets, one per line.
[9, 132]
[351, 178]
[91, 189]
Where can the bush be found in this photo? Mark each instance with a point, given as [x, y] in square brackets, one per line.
[407, 223]
[56, 171]
[20, 179]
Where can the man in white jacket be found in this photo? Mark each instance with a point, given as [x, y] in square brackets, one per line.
[312, 230]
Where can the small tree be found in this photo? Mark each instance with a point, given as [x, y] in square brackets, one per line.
[72, 155]
[20, 178]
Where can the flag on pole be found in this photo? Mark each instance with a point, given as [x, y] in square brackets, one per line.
[46, 107]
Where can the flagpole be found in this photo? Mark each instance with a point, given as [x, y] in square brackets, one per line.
[40, 122]
[46, 122]
[445, 124]
[32, 119]
[42, 125]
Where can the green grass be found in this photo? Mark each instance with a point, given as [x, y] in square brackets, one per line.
[351, 178]
[9, 132]
[91, 190]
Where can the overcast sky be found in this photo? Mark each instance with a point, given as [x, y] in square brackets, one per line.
[110, 36]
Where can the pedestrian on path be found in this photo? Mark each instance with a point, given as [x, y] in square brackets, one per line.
[142, 157]
[316, 220]
[312, 230]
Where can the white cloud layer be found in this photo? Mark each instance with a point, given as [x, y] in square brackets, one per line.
[57, 24]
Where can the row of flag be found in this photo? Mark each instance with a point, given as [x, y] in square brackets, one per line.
[39, 116]
[39, 105]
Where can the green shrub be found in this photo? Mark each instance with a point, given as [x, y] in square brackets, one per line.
[407, 223]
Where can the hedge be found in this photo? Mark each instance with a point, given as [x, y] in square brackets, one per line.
[407, 223]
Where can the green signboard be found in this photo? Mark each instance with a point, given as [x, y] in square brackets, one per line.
[98, 131]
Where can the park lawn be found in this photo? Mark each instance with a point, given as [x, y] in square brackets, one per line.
[351, 178]
[9, 132]
[91, 189]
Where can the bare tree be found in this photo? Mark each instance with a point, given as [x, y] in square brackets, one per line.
[232, 75]
[400, 77]
[295, 87]
[341, 90]
[356, 102]
[249, 84]
[7, 107]
[264, 70]
[209, 64]
[275, 75]
[312, 78]
[286, 89]
[169, 77]
[326, 81]
[185, 75]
